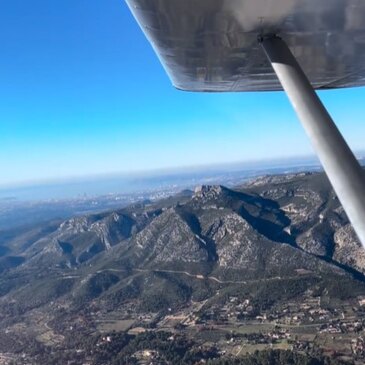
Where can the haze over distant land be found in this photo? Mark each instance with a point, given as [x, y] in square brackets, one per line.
[178, 178]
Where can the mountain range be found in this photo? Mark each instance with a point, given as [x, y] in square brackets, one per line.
[278, 236]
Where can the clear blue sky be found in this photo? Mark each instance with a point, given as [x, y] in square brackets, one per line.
[81, 92]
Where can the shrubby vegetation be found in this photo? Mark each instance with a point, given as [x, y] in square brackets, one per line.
[177, 350]
[167, 291]
[95, 286]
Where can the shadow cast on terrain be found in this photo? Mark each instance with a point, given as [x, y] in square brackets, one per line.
[270, 230]
[4, 251]
[355, 273]
[273, 231]
[194, 224]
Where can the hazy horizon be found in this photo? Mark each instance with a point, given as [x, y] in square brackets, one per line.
[94, 185]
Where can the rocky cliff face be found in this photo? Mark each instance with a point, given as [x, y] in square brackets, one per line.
[348, 249]
[78, 240]
[169, 238]
[318, 222]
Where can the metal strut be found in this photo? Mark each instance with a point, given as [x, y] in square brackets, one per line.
[343, 170]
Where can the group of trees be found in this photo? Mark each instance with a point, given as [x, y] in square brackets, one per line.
[177, 351]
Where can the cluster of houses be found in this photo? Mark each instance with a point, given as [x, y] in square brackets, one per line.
[148, 357]
[277, 323]
[340, 326]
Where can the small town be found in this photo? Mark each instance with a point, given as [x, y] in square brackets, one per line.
[237, 328]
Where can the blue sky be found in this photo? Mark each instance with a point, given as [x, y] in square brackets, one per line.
[82, 93]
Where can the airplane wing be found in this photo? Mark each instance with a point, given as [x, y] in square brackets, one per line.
[211, 45]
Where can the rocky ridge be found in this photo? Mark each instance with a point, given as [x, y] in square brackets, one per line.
[274, 227]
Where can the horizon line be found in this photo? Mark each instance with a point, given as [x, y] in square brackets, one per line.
[156, 172]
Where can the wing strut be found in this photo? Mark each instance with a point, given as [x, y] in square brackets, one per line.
[339, 163]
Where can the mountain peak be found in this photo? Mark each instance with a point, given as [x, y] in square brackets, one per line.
[208, 191]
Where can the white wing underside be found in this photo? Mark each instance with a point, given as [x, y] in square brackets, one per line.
[211, 45]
